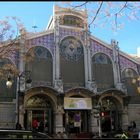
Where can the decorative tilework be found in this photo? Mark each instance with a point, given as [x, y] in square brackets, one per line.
[65, 32]
[46, 41]
[126, 63]
[97, 47]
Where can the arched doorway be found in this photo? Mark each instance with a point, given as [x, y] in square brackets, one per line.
[39, 107]
[110, 115]
[77, 106]
[111, 111]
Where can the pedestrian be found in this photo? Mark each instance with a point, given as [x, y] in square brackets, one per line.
[133, 126]
[41, 127]
[18, 126]
[35, 124]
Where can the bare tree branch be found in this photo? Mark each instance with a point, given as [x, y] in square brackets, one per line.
[96, 13]
[80, 5]
[116, 14]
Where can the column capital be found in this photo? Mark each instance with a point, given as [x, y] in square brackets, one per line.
[58, 85]
[91, 85]
[59, 110]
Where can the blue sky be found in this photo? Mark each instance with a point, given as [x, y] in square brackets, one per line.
[39, 13]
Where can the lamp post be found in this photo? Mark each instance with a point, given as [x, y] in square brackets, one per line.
[28, 81]
[9, 82]
[9, 85]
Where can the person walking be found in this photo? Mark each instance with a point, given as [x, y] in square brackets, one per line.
[133, 126]
[35, 124]
[41, 127]
[18, 126]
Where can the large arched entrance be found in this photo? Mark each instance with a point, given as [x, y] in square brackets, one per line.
[39, 105]
[77, 107]
[111, 110]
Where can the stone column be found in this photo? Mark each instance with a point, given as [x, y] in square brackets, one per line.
[59, 119]
[125, 121]
[116, 66]
[94, 128]
[21, 69]
[87, 60]
[58, 85]
[21, 116]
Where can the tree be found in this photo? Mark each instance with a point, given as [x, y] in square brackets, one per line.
[102, 12]
[10, 37]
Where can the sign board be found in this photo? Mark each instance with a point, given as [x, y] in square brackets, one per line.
[77, 124]
[77, 103]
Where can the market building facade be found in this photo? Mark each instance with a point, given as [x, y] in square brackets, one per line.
[76, 78]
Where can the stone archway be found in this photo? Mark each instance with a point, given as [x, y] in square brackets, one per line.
[111, 102]
[46, 91]
[77, 107]
[41, 102]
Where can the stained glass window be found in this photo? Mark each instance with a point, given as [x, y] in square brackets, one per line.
[41, 52]
[101, 59]
[71, 49]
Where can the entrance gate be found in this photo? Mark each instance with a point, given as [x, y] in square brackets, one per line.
[39, 108]
[43, 116]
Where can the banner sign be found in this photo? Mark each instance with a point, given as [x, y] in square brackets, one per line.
[77, 103]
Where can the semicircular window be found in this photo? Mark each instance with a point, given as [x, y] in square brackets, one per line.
[71, 49]
[129, 77]
[38, 102]
[41, 52]
[101, 58]
[129, 73]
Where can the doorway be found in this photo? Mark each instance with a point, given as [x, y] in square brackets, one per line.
[43, 116]
[76, 121]
[110, 116]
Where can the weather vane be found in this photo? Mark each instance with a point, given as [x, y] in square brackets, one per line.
[34, 26]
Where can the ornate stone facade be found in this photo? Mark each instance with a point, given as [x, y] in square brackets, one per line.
[72, 43]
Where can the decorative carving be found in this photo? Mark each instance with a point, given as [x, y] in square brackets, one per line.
[22, 83]
[60, 110]
[92, 86]
[59, 85]
[71, 20]
[122, 87]
[38, 101]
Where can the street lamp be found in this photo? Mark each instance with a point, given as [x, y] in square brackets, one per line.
[28, 81]
[9, 83]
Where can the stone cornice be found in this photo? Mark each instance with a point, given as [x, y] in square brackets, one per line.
[40, 34]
